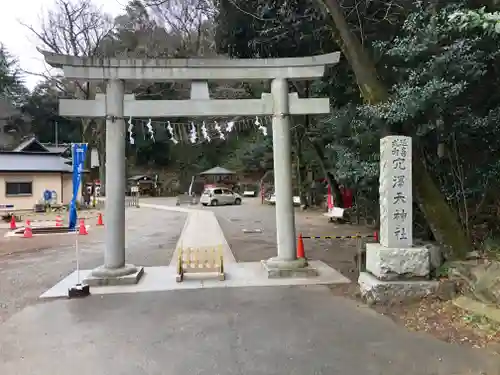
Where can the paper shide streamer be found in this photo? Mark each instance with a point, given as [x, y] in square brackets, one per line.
[172, 135]
[222, 132]
[130, 134]
[193, 134]
[261, 127]
[219, 130]
[150, 130]
[204, 132]
[229, 126]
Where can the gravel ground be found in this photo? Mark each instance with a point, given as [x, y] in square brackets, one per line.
[28, 267]
[338, 253]
[38, 218]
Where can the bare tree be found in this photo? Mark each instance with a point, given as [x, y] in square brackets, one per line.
[73, 28]
[76, 28]
[189, 23]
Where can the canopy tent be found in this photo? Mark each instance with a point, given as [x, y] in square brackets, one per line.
[217, 171]
[219, 176]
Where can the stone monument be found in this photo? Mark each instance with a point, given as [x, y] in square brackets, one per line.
[395, 269]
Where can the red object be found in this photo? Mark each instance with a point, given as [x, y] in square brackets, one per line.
[375, 236]
[300, 247]
[330, 201]
[346, 197]
[82, 230]
[13, 222]
[58, 221]
[28, 233]
[99, 220]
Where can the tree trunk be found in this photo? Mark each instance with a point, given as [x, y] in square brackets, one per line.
[301, 168]
[372, 89]
[442, 220]
[300, 133]
[101, 152]
[339, 200]
[86, 177]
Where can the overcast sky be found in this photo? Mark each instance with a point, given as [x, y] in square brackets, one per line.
[21, 43]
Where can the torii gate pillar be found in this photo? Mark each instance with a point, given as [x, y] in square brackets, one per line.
[282, 159]
[114, 255]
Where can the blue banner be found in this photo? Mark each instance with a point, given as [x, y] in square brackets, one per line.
[79, 152]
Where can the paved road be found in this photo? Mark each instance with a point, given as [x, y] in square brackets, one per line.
[248, 247]
[151, 238]
[266, 330]
[250, 331]
[253, 247]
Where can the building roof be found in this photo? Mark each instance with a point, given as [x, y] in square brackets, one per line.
[216, 171]
[60, 149]
[31, 144]
[143, 177]
[33, 162]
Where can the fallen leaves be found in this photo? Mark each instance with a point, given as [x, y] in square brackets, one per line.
[439, 318]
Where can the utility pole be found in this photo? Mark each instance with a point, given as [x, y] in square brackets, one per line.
[57, 134]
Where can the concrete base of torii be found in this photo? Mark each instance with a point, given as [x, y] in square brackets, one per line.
[103, 276]
[277, 268]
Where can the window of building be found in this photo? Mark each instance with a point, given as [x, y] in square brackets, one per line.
[18, 188]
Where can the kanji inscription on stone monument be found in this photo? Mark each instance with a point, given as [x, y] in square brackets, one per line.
[395, 192]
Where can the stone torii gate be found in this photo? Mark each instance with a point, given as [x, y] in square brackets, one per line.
[115, 107]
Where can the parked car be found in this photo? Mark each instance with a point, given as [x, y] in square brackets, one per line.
[217, 196]
[250, 190]
[271, 199]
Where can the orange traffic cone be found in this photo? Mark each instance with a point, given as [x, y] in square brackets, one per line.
[82, 231]
[300, 247]
[28, 233]
[13, 222]
[99, 220]
[59, 221]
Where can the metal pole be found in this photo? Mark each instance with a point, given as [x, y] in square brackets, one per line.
[77, 251]
[57, 133]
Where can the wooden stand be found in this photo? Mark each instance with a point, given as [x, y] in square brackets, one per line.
[200, 261]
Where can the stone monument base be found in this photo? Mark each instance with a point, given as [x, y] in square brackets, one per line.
[127, 275]
[394, 291]
[298, 268]
[397, 263]
[394, 275]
